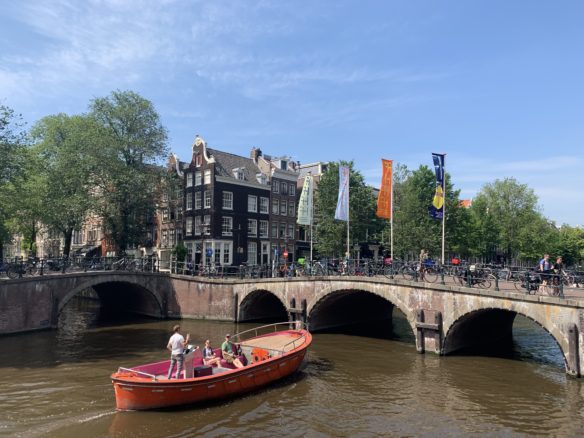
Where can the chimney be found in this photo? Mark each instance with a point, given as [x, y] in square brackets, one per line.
[255, 154]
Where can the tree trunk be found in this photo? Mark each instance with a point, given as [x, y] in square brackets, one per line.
[68, 234]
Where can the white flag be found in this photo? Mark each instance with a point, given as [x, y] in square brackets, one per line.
[305, 203]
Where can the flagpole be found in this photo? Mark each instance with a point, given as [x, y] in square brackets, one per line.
[443, 206]
[311, 222]
[391, 218]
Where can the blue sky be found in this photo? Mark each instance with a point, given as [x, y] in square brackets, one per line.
[497, 85]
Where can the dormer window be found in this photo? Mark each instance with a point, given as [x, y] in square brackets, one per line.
[261, 178]
[238, 174]
[283, 164]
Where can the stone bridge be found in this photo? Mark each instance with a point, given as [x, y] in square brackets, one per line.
[443, 318]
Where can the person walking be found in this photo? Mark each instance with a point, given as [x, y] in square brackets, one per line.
[545, 266]
[176, 345]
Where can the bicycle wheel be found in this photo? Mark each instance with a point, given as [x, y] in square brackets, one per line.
[12, 272]
[408, 273]
[31, 270]
[484, 282]
[430, 275]
[519, 283]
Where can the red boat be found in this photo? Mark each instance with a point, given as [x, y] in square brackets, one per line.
[269, 353]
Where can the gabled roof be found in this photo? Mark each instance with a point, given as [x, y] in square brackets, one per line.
[226, 163]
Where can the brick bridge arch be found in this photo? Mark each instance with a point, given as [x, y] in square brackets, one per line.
[488, 323]
[117, 284]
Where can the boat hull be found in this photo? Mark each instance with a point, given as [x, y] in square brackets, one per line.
[135, 392]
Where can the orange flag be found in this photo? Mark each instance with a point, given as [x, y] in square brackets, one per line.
[384, 198]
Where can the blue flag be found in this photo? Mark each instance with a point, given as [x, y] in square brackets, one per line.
[342, 211]
[436, 210]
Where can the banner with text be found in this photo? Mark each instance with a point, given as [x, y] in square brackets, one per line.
[305, 209]
[436, 210]
[384, 198]
[342, 211]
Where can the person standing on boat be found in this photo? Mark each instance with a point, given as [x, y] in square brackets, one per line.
[176, 345]
[229, 353]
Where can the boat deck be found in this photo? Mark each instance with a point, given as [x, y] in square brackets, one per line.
[280, 342]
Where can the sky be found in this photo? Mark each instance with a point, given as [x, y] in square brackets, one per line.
[496, 85]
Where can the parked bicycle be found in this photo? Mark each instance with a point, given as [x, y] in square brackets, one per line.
[425, 272]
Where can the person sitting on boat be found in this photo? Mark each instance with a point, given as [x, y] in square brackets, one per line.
[209, 356]
[229, 354]
[176, 345]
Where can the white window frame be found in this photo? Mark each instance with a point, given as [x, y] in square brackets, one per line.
[198, 178]
[207, 225]
[252, 227]
[227, 200]
[189, 201]
[275, 186]
[189, 179]
[291, 208]
[198, 202]
[276, 206]
[252, 248]
[292, 190]
[264, 229]
[252, 203]
[226, 253]
[283, 208]
[207, 176]
[290, 231]
[227, 226]
[264, 205]
[198, 225]
[189, 226]
[207, 202]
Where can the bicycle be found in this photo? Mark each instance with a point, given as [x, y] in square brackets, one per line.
[473, 276]
[20, 269]
[426, 272]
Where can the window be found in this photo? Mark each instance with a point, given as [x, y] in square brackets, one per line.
[282, 231]
[165, 214]
[275, 187]
[274, 230]
[284, 188]
[207, 224]
[264, 205]
[292, 190]
[189, 179]
[199, 160]
[290, 231]
[263, 229]
[198, 225]
[198, 204]
[77, 237]
[227, 226]
[226, 253]
[207, 176]
[238, 174]
[189, 226]
[252, 203]
[190, 201]
[164, 241]
[283, 207]
[261, 178]
[291, 210]
[252, 253]
[165, 197]
[252, 227]
[172, 237]
[179, 212]
[276, 206]
[227, 201]
[207, 198]
[197, 178]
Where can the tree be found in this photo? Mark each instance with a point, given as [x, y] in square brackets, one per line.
[63, 147]
[332, 234]
[134, 141]
[513, 207]
[12, 151]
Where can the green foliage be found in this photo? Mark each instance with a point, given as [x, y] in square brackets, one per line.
[12, 169]
[414, 229]
[134, 140]
[64, 148]
[331, 234]
[180, 252]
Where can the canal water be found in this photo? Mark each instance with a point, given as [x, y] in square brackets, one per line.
[56, 384]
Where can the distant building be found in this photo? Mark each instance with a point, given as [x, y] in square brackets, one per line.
[465, 203]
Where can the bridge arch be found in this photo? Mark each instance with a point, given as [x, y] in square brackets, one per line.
[262, 305]
[119, 291]
[490, 323]
[356, 302]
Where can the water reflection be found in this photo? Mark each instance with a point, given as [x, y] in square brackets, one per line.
[56, 384]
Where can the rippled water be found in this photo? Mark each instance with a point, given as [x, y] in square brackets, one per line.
[56, 384]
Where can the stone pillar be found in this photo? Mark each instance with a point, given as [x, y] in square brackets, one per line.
[573, 353]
